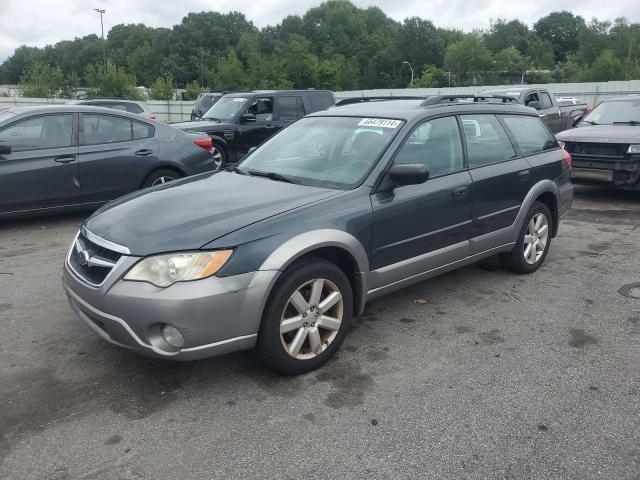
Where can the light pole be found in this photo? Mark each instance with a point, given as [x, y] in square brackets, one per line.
[410, 68]
[104, 55]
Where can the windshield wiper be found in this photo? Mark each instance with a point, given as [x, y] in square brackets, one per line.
[233, 168]
[213, 119]
[272, 176]
[590, 122]
[630, 122]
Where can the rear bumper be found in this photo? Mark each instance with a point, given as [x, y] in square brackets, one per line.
[619, 173]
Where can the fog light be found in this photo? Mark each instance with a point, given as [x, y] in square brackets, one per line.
[172, 336]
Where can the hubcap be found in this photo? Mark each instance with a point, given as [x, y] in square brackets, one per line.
[162, 179]
[311, 318]
[217, 157]
[535, 238]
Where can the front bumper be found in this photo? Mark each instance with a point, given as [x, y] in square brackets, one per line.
[619, 173]
[215, 315]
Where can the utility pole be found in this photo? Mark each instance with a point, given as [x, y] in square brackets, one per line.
[410, 68]
[104, 55]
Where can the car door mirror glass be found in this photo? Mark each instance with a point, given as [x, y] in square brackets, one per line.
[5, 148]
[247, 118]
[412, 174]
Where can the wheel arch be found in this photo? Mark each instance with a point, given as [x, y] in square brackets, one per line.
[336, 246]
[544, 191]
[162, 166]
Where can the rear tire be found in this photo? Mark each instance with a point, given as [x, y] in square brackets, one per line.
[306, 317]
[220, 157]
[534, 240]
[160, 176]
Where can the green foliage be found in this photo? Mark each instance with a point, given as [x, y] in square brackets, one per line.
[193, 90]
[114, 81]
[606, 67]
[42, 81]
[162, 88]
[334, 45]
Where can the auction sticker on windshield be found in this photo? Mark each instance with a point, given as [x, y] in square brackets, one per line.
[379, 122]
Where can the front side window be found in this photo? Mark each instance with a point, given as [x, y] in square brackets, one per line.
[530, 133]
[99, 129]
[262, 108]
[545, 99]
[330, 152]
[531, 97]
[487, 142]
[46, 131]
[436, 144]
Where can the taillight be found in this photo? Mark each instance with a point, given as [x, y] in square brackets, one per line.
[152, 117]
[205, 143]
[566, 156]
[589, 109]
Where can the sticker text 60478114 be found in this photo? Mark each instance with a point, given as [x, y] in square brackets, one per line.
[379, 122]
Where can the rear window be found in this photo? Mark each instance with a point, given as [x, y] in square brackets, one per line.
[530, 133]
[204, 103]
[142, 130]
[320, 100]
[134, 108]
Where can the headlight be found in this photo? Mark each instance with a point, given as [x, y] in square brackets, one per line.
[634, 148]
[165, 270]
[561, 143]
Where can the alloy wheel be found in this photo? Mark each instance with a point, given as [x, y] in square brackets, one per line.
[217, 157]
[536, 238]
[311, 318]
[162, 179]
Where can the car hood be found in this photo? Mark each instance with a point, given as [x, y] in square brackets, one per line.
[189, 213]
[203, 126]
[602, 134]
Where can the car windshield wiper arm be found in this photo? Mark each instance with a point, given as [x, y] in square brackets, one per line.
[589, 121]
[233, 168]
[272, 175]
[213, 119]
[629, 122]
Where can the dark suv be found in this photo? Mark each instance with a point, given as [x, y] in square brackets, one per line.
[239, 121]
[345, 205]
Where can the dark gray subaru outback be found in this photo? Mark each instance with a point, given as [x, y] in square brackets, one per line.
[345, 205]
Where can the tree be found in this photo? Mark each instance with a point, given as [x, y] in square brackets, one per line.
[421, 43]
[193, 90]
[113, 82]
[606, 67]
[561, 29]
[42, 81]
[504, 34]
[431, 77]
[510, 60]
[162, 88]
[468, 59]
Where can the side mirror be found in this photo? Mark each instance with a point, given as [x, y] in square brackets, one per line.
[577, 120]
[535, 104]
[412, 174]
[5, 148]
[247, 118]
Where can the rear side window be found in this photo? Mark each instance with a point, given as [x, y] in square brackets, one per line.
[290, 108]
[487, 142]
[134, 108]
[47, 131]
[100, 129]
[320, 100]
[530, 133]
[141, 130]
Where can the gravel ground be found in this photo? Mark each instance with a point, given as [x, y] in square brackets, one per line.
[476, 374]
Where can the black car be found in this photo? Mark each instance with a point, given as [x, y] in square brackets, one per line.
[605, 146]
[204, 102]
[282, 250]
[75, 157]
[240, 121]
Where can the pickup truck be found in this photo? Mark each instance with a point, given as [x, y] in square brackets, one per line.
[557, 117]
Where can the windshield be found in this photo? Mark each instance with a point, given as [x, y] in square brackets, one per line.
[616, 111]
[204, 103]
[226, 108]
[331, 152]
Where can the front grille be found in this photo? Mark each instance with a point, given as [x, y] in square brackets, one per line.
[90, 261]
[610, 150]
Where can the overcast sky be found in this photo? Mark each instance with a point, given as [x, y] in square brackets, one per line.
[42, 22]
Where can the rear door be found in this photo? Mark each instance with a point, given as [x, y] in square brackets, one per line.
[115, 154]
[42, 169]
[501, 179]
[288, 110]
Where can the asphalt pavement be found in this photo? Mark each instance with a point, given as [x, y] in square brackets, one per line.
[479, 373]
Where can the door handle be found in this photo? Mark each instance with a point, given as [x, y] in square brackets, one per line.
[65, 158]
[524, 175]
[144, 152]
[459, 192]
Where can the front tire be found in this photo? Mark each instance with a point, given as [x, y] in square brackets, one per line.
[533, 241]
[306, 317]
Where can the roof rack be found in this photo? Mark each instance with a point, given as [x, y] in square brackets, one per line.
[351, 101]
[448, 99]
[110, 98]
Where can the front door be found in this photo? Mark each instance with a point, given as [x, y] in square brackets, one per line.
[254, 133]
[418, 227]
[41, 171]
[501, 180]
